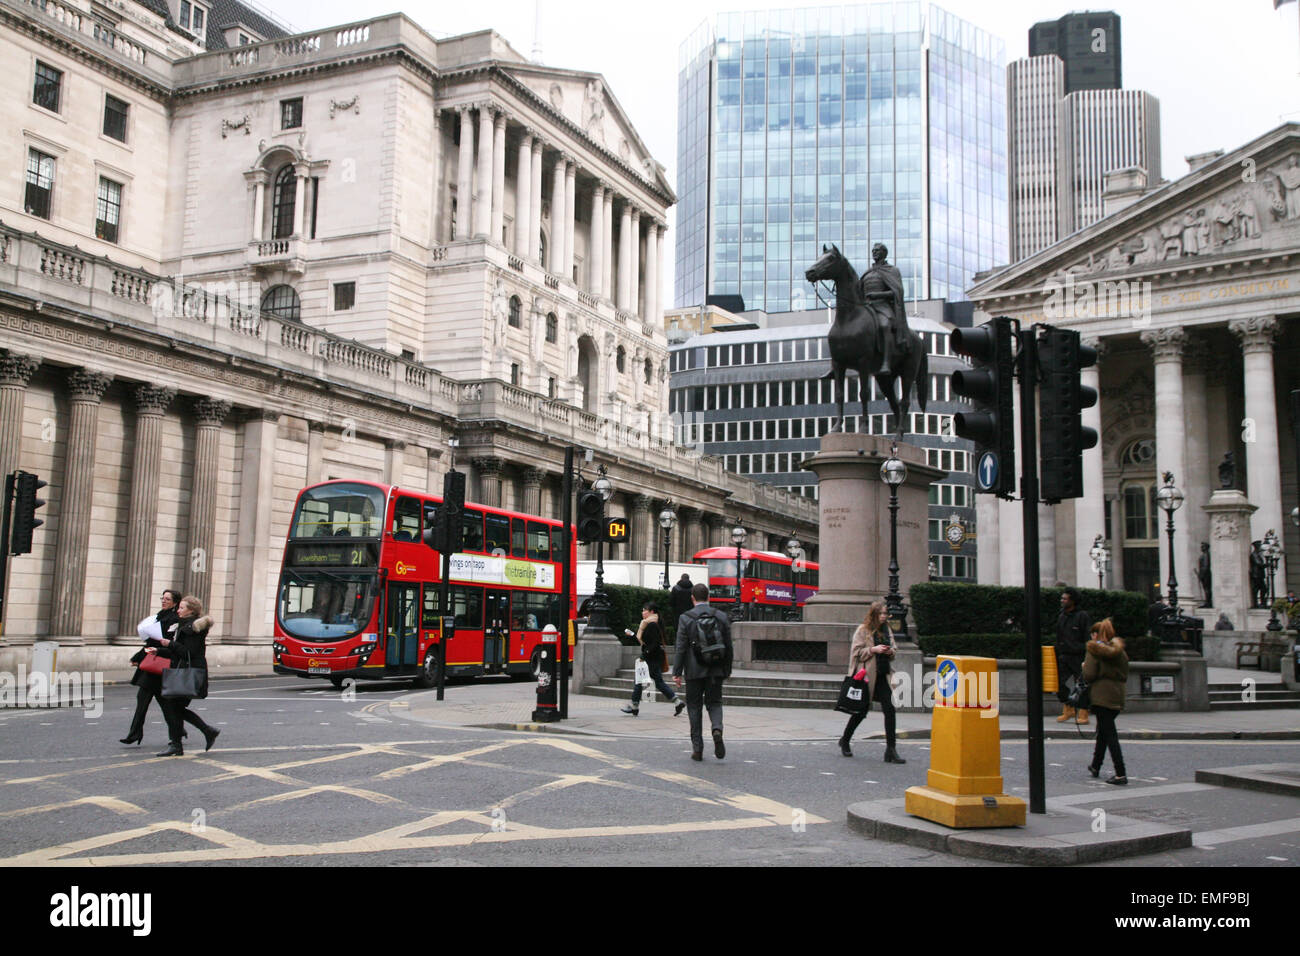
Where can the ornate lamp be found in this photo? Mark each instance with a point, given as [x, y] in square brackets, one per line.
[667, 518]
[1272, 549]
[600, 601]
[1170, 499]
[893, 472]
[738, 536]
[794, 549]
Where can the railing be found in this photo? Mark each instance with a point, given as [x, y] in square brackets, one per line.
[296, 338]
[355, 355]
[298, 46]
[114, 40]
[68, 16]
[273, 248]
[551, 281]
[352, 35]
[131, 286]
[62, 265]
[514, 262]
[243, 56]
[75, 20]
[589, 300]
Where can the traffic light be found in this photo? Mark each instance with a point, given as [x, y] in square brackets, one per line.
[445, 533]
[991, 423]
[616, 530]
[1063, 439]
[591, 517]
[25, 505]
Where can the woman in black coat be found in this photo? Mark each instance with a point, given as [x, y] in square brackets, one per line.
[150, 685]
[187, 649]
[650, 635]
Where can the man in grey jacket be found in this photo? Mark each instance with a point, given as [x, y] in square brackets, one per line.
[703, 681]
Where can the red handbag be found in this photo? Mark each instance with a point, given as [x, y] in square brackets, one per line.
[155, 664]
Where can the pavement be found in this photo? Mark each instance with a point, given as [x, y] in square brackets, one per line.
[505, 704]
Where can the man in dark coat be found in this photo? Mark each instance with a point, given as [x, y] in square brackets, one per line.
[881, 291]
[150, 685]
[680, 598]
[1072, 628]
[703, 681]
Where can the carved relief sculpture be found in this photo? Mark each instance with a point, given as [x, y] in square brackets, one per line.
[1288, 177]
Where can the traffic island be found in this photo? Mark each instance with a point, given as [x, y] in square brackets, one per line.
[1279, 778]
[1060, 837]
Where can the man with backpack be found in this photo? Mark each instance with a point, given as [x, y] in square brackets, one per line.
[704, 658]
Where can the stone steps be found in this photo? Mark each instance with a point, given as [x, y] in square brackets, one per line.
[1270, 696]
[747, 690]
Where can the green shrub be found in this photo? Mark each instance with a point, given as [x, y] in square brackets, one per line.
[625, 610]
[1011, 647]
[941, 608]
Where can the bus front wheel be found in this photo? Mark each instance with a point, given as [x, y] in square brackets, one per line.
[429, 671]
[338, 682]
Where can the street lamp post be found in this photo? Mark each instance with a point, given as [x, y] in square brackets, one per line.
[893, 472]
[1272, 549]
[1170, 498]
[600, 601]
[1100, 558]
[738, 535]
[794, 548]
[667, 518]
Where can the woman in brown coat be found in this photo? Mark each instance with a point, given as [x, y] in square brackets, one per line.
[873, 648]
[1106, 670]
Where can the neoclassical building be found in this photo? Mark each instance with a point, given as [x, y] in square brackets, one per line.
[229, 269]
[1190, 292]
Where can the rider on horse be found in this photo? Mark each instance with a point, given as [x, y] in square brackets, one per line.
[881, 291]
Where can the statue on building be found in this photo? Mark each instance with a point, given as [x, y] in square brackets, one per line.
[1228, 472]
[1205, 575]
[1258, 585]
[1288, 177]
[881, 291]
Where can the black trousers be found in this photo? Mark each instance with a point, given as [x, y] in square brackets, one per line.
[701, 694]
[882, 694]
[176, 710]
[143, 694]
[1107, 738]
[1068, 666]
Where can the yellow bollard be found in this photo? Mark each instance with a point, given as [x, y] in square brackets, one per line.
[1050, 677]
[964, 784]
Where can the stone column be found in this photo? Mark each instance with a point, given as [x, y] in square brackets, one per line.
[209, 414]
[1090, 510]
[524, 227]
[251, 614]
[570, 209]
[709, 530]
[142, 517]
[555, 265]
[535, 215]
[690, 533]
[596, 241]
[1196, 362]
[394, 460]
[483, 197]
[625, 258]
[1171, 454]
[658, 318]
[498, 179]
[533, 479]
[608, 267]
[433, 471]
[300, 220]
[315, 452]
[652, 279]
[256, 179]
[85, 391]
[489, 474]
[1229, 514]
[634, 269]
[644, 529]
[465, 176]
[1263, 464]
[16, 370]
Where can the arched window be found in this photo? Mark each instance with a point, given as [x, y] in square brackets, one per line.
[620, 360]
[516, 309]
[552, 327]
[282, 302]
[541, 250]
[282, 203]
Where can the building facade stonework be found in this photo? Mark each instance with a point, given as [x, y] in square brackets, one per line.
[313, 257]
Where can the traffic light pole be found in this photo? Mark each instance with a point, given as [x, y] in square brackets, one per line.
[1028, 361]
[566, 582]
[4, 548]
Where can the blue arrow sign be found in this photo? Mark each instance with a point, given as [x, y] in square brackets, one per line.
[987, 473]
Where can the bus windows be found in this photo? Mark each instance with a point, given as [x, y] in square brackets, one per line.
[343, 509]
[467, 605]
[498, 534]
[534, 611]
[557, 544]
[406, 519]
[472, 522]
[539, 542]
[517, 535]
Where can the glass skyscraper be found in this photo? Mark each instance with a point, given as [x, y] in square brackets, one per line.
[849, 125]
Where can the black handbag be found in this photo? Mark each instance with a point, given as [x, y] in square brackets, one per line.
[183, 680]
[855, 696]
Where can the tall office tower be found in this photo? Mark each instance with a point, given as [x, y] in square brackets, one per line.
[1034, 90]
[1102, 130]
[1087, 43]
[848, 125]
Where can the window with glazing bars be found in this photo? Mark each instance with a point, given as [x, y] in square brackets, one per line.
[40, 184]
[49, 84]
[291, 113]
[108, 210]
[282, 204]
[115, 118]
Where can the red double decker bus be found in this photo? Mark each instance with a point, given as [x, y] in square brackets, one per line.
[772, 583]
[359, 590]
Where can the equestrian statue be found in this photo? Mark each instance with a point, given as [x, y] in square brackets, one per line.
[870, 332]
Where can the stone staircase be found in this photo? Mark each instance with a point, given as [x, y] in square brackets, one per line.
[1268, 695]
[743, 689]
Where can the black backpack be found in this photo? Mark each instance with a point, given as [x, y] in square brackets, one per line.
[707, 640]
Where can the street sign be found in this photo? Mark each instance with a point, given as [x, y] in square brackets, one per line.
[987, 473]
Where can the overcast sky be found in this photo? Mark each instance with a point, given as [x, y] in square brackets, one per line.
[1224, 72]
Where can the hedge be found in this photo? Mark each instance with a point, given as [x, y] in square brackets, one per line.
[1012, 646]
[625, 610]
[940, 608]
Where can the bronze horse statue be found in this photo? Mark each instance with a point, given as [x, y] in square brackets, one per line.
[857, 341]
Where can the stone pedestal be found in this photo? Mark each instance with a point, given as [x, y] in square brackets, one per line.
[597, 655]
[1229, 514]
[1192, 678]
[854, 526]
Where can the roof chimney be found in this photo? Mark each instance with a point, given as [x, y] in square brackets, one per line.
[1122, 188]
[1202, 159]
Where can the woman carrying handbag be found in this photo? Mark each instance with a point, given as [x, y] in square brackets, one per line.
[148, 679]
[187, 652]
[650, 635]
[872, 650]
[1106, 669]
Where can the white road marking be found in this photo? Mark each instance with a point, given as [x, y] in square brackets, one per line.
[1124, 793]
[1251, 832]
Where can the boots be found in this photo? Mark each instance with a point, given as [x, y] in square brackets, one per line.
[891, 756]
[1083, 716]
[174, 749]
[1067, 713]
[844, 747]
[631, 709]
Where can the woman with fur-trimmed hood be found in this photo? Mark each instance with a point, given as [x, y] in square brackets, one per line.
[187, 647]
[1105, 668]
